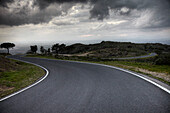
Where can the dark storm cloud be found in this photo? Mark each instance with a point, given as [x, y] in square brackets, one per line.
[100, 10]
[45, 3]
[101, 7]
[25, 14]
[4, 2]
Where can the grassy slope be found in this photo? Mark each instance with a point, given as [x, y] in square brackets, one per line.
[144, 68]
[132, 65]
[15, 75]
[143, 65]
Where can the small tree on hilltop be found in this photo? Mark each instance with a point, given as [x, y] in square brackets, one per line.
[62, 47]
[34, 48]
[7, 46]
[57, 48]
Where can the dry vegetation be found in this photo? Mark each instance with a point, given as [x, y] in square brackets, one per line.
[15, 75]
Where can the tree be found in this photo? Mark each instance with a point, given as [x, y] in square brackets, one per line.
[34, 48]
[62, 47]
[58, 48]
[7, 46]
[55, 48]
[49, 51]
[42, 50]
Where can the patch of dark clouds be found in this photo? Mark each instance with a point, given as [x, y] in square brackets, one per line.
[4, 3]
[45, 3]
[100, 10]
[21, 15]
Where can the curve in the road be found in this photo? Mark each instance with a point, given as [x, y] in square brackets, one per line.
[137, 57]
[121, 69]
[84, 88]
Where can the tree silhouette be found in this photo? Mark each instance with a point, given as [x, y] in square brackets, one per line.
[7, 46]
[42, 50]
[55, 48]
[62, 47]
[58, 48]
[49, 51]
[34, 48]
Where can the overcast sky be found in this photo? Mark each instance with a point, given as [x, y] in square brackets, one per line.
[87, 21]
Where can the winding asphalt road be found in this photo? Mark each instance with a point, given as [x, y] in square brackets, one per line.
[136, 57]
[85, 88]
[144, 56]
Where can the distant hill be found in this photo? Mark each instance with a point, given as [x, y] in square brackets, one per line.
[115, 49]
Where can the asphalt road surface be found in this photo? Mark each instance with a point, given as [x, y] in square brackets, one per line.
[85, 88]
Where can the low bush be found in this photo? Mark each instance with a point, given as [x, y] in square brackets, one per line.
[163, 59]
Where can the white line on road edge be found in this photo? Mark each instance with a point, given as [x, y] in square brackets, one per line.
[11, 95]
[137, 75]
[146, 79]
[47, 72]
[152, 82]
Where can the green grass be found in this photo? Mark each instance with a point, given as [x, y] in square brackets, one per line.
[16, 79]
[143, 65]
[126, 64]
[147, 66]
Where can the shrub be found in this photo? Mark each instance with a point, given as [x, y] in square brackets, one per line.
[163, 59]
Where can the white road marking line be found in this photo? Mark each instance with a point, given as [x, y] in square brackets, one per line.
[146, 79]
[47, 72]
[11, 95]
